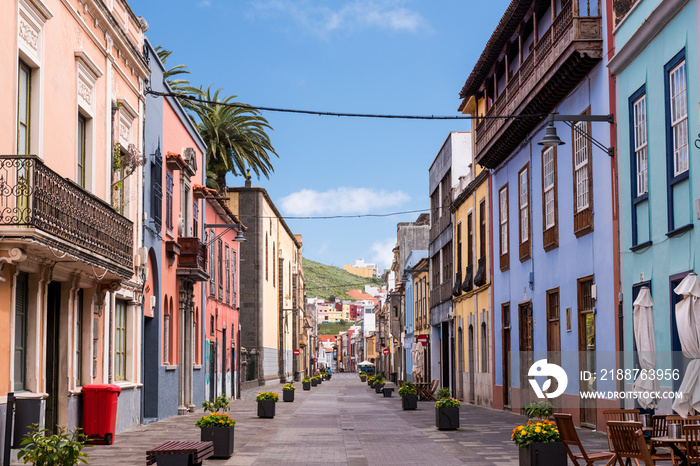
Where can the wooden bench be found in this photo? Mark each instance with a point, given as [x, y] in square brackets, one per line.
[194, 452]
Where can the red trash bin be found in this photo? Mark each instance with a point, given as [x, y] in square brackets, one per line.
[100, 411]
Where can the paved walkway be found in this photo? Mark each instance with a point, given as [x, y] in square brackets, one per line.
[341, 421]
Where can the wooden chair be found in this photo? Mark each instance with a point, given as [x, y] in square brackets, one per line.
[569, 438]
[659, 428]
[626, 441]
[692, 443]
[619, 415]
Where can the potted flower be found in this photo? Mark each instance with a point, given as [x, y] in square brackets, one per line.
[266, 404]
[446, 410]
[319, 378]
[370, 381]
[363, 376]
[378, 383]
[409, 396]
[288, 392]
[217, 426]
[306, 383]
[64, 448]
[314, 381]
[539, 439]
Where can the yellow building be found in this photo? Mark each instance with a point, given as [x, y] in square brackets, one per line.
[363, 269]
[421, 312]
[471, 295]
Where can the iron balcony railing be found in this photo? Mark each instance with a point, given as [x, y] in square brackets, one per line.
[34, 196]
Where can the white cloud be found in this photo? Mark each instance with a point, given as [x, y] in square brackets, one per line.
[383, 251]
[322, 19]
[204, 4]
[341, 201]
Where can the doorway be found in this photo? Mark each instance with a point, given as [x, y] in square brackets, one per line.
[505, 354]
[53, 338]
[445, 354]
[526, 330]
[212, 369]
[554, 338]
[586, 347]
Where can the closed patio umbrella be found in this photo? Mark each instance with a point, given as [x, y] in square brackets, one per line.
[688, 324]
[417, 358]
[643, 318]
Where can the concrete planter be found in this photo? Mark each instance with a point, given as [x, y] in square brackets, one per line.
[266, 408]
[447, 418]
[306, 386]
[541, 454]
[363, 378]
[288, 396]
[387, 392]
[314, 382]
[378, 387]
[222, 438]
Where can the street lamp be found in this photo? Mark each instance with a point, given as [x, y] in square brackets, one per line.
[238, 226]
[552, 140]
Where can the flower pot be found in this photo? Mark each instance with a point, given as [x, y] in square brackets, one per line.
[387, 392]
[363, 378]
[314, 382]
[266, 408]
[222, 438]
[409, 402]
[288, 395]
[369, 383]
[447, 418]
[306, 385]
[378, 388]
[541, 454]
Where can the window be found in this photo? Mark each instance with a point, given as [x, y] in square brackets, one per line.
[228, 275]
[221, 269]
[581, 166]
[503, 222]
[267, 260]
[470, 241]
[195, 219]
[679, 117]
[120, 341]
[550, 232]
[524, 211]
[446, 261]
[583, 178]
[482, 229]
[212, 263]
[81, 151]
[157, 189]
[169, 201]
[234, 264]
[274, 256]
[639, 114]
[21, 297]
[23, 106]
[459, 247]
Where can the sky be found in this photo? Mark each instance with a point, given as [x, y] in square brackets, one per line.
[398, 57]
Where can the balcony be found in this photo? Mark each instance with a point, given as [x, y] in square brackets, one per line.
[561, 58]
[41, 208]
[440, 294]
[192, 261]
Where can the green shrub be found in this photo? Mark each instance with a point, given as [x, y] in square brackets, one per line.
[61, 449]
[447, 402]
[408, 388]
[443, 392]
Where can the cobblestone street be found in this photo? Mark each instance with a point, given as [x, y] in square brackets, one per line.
[341, 421]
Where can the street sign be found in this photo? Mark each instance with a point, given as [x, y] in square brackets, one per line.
[315, 359]
[386, 351]
[422, 339]
[297, 352]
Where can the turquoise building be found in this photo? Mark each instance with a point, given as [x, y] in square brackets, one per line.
[656, 89]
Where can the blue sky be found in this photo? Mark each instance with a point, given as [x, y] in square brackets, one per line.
[356, 56]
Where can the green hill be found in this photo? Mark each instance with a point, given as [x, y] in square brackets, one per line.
[323, 280]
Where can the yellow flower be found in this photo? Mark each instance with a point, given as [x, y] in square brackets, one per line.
[522, 432]
[537, 430]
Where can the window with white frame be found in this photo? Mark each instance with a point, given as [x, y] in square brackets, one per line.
[523, 196]
[679, 117]
[639, 115]
[581, 166]
[120, 340]
[228, 274]
[548, 187]
[23, 108]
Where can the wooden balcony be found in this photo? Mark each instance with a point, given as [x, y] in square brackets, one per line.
[441, 294]
[438, 227]
[562, 57]
[192, 261]
[52, 215]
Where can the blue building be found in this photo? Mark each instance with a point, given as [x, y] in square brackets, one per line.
[655, 66]
[553, 229]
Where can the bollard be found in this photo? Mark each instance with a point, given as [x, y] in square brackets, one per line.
[8, 429]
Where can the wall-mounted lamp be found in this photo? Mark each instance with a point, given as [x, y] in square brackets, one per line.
[238, 226]
[552, 140]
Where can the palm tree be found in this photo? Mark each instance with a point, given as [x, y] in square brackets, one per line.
[180, 86]
[235, 137]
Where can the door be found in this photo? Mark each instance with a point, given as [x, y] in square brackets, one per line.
[505, 354]
[553, 338]
[460, 363]
[472, 365]
[526, 330]
[53, 314]
[586, 347]
[212, 369]
[445, 354]
[223, 361]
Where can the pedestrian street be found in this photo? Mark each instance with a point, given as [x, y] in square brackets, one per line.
[341, 421]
